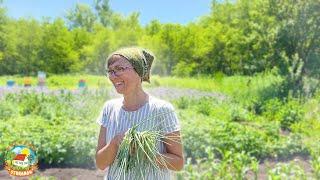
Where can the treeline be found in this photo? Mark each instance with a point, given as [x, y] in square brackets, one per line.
[242, 37]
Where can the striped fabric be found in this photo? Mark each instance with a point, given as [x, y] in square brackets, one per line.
[160, 115]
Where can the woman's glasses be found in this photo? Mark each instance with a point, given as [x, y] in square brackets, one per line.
[117, 71]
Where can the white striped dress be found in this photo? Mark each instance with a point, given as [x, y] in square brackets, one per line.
[117, 120]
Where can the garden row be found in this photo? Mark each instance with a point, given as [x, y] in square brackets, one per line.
[62, 127]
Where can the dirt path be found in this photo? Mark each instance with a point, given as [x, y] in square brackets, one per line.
[174, 93]
[160, 92]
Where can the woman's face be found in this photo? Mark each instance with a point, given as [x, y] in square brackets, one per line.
[123, 76]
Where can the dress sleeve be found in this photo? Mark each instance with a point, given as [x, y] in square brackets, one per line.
[170, 121]
[103, 116]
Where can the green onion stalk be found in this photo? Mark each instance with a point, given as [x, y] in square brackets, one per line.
[138, 153]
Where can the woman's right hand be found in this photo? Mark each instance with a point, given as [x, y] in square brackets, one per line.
[106, 153]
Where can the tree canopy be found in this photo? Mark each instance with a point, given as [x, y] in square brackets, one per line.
[237, 37]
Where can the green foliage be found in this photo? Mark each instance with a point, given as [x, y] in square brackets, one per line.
[235, 129]
[41, 120]
[239, 114]
[182, 103]
[235, 38]
[290, 113]
[205, 106]
[289, 146]
[182, 69]
[229, 166]
[222, 137]
[286, 171]
[286, 113]
[7, 110]
[104, 12]
[315, 162]
[271, 109]
[297, 41]
[225, 136]
[81, 16]
[57, 53]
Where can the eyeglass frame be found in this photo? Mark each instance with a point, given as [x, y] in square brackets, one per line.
[117, 73]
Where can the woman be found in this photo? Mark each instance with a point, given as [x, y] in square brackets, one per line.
[126, 69]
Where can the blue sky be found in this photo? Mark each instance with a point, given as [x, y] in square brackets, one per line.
[166, 11]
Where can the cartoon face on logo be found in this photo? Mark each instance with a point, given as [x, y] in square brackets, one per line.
[20, 160]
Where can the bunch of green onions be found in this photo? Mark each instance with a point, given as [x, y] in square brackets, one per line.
[138, 154]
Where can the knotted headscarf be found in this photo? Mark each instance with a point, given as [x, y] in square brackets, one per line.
[141, 60]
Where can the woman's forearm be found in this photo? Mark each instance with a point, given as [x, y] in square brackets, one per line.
[170, 161]
[106, 155]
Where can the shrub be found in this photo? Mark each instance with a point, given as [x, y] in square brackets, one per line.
[287, 113]
[290, 113]
[271, 109]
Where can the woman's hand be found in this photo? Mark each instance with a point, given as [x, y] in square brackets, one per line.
[173, 158]
[106, 153]
[116, 141]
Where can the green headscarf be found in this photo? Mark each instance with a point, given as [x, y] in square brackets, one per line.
[140, 59]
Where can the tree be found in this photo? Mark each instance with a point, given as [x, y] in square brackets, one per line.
[82, 42]
[153, 28]
[169, 36]
[28, 46]
[105, 13]
[9, 41]
[57, 54]
[298, 40]
[81, 16]
[3, 21]
[101, 44]
[242, 34]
